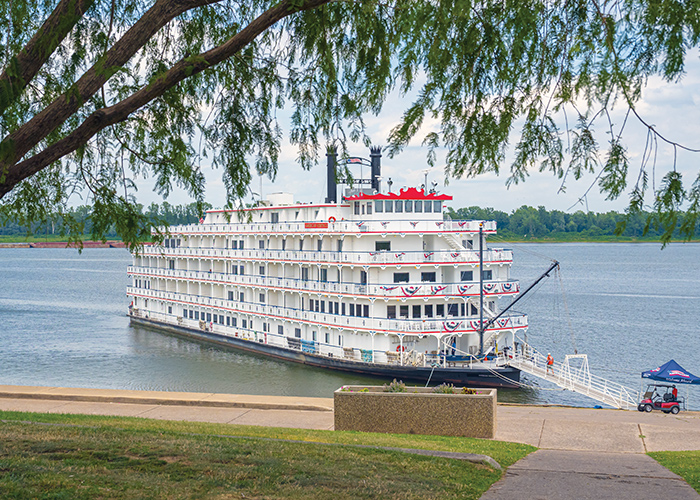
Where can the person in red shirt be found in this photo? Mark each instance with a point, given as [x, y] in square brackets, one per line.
[550, 363]
[675, 393]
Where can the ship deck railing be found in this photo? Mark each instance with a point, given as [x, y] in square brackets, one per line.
[380, 290]
[379, 257]
[394, 356]
[376, 223]
[438, 326]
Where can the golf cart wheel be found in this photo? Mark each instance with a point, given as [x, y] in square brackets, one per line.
[675, 410]
[648, 408]
[640, 407]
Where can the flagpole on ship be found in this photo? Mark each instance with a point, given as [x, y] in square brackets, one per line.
[481, 288]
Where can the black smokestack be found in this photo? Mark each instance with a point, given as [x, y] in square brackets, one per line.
[375, 154]
[331, 155]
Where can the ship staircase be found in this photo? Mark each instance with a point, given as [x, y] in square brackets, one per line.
[572, 374]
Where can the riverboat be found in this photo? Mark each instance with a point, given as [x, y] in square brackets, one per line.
[374, 281]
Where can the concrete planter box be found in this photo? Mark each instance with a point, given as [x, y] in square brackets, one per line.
[416, 411]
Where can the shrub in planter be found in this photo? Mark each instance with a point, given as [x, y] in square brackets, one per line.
[445, 410]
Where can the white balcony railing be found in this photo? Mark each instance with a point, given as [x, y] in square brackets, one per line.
[427, 326]
[359, 226]
[392, 290]
[380, 258]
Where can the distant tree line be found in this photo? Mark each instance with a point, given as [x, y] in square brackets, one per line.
[524, 223]
[159, 214]
[539, 223]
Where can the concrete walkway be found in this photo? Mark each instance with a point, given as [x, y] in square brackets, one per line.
[583, 453]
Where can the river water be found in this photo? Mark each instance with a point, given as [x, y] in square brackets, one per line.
[629, 307]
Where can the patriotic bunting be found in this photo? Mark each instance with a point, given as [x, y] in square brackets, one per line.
[451, 326]
[436, 289]
[410, 290]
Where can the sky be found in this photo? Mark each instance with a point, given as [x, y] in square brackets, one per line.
[673, 108]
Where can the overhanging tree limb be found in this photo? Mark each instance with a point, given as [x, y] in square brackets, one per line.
[25, 65]
[185, 68]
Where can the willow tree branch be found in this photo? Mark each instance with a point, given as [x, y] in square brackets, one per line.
[182, 70]
[24, 66]
[29, 135]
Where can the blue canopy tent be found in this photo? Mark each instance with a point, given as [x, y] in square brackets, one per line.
[674, 373]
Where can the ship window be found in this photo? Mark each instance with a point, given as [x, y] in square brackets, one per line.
[196, 315]
[284, 244]
[280, 330]
[487, 274]
[262, 270]
[192, 314]
[241, 297]
[305, 274]
[428, 207]
[241, 270]
[400, 277]
[418, 206]
[379, 206]
[369, 208]
[216, 319]
[296, 214]
[467, 275]
[328, 337]
[316, 214]
[297, 333]
[244, 323]
[261, 244]
[319, 245]
[453, 309]
[301, 245]
[365, 310]
[430, 276]
[399, 206]
[468, 244]
[171, 264]
[234, 321]
[313, 335]
[240, 244]
[342, 309]
[382, 246]
[274, 217]
[352, 310]
[340, 245]
[324, 275]
[208, 316]
[170, 309]
[416, 311]
[363, 277]
[462, 309]
[336, 308]
[475, 311]
[428, 311]
[403, 311]
[184, 313]
[317, 306]
[363, 209]
[234, 269]
[262, 298]
[323, 306]
[234, 245]
[409, 206]
[389, 206]
[356, 208]
[228, 320]
[391, 312]
[440, 310]
[437, 206]
[340, 340]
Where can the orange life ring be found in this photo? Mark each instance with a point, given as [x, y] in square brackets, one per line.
[400, 348]
[331, 219]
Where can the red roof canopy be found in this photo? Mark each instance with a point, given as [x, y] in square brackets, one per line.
[405, 194]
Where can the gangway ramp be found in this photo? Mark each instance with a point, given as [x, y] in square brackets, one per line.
[573, 374]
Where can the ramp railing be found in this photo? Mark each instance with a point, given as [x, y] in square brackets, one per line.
[572, 374]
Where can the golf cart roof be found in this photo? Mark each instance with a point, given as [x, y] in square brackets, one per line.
[660, 385]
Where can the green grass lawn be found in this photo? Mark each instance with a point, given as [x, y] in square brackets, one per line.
[684, 463]
[51, 456]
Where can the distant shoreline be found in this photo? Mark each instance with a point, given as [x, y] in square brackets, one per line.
[63, 244]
